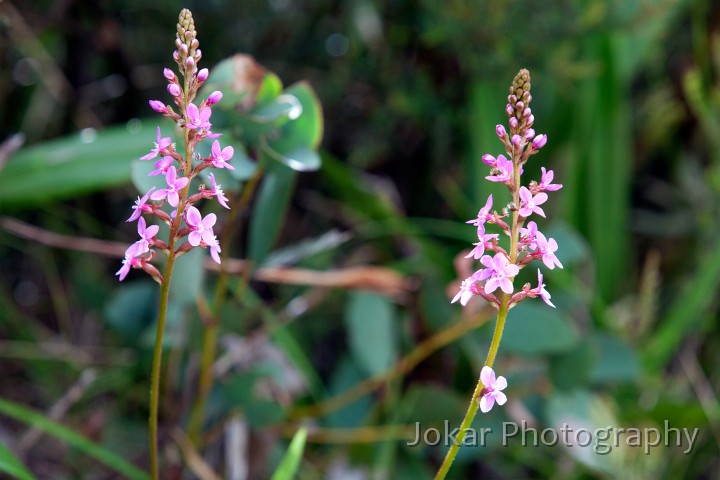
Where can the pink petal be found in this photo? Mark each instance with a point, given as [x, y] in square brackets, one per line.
[491, 285]
[194, 238]
[500, 384]
[505, 285]
[159, 195]
[540, 198]
[173, 198]
[486, 403]
[215, 149]
[193, 217]
[141, 226]
[209, 220]
[500, 397]
[487, 376]
[151, 231]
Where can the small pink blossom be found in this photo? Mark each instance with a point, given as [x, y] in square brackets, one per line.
[161, 166]
[217, 192]
[147, 235]
[128, 262]
[468, 289]
[479, 249]
[498, 273]
[141, 206]
[528, 235]
[491, 393]
[198, 120]
[540, 290]
[220, 158]
[546, 181]
[161, 146]
[530, 203]
[201, 227]
[215, 250]
[174, 185]
[482, 217]
[502, 171]
[547, 249]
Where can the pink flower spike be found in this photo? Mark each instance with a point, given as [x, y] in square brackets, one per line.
[140, 206]
[174, 185]
[498, 273]
[530, 203]
[540, 290]
[220, 158]
[547, 249]
[217, 191]
[158, 106]
[161, 146]
[214, 97]
[201, 227]
[546, 181]
[492, 391]
[128, 262]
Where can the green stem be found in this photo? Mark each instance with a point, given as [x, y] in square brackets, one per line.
[472, 408]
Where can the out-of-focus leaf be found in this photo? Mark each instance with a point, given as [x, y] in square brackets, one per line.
[291, 461]
[572, 369]
[616, 361]
[307, 129]
[239, 392]
[117, 463]
[132, 308]
[572, 248]
[537, 329]
[80, 163]
[370, 321]
[306, 248]
[188, 277]
[269, 210]
[346, 375]
[302, 159]
[12, 466]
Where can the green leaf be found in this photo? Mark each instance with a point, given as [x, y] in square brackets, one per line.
[269, 210]
[39, 421]
[370, 321]
[80, 163]
[346, 375]
[291, 461]
[11, 465]
[301, 159]
[188, 276]
[534, 328]
[616, 361]
[307, 129]
[132, 308]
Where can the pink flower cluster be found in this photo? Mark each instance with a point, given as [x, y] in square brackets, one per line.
[179, 171]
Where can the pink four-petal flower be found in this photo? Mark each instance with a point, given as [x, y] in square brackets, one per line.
[546, 181]
[217, 191]
[547, 249]
[482, 217]
[128, 262]
[174, 185]
[540, 290]
[201, 228]
[491, 393]
[146, 237]
[530, 203]
[161, 146]
[498, 273]
[220, 157]
[141, 206]
[198, 120]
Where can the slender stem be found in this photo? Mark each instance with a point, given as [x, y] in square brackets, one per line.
[472, 408]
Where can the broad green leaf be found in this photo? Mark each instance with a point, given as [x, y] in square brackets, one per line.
[616, 361]
[534, 328]
[346, 375]
[306, 248]
[307, 129]
[301, 159]
[72, 438]
[188, 276]
[11, 465]
[370, 321]
[269, 210]
[80, 163]
[132, 308]
[291, 462]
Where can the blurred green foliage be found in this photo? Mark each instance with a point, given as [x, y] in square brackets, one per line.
[627, 92]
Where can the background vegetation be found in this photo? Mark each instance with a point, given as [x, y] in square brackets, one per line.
[627, 92]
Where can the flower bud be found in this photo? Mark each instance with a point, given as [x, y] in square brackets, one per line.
[190, 62]
[516, 140]
[198, 55]
[539, 141]
[169, 74]
[214, 97]
[530, 121]
[519, 105]
[202, 75]
[158, 106]
[500, 130]
[194, 43]
[526, 113]
[512, 99]
[530, 134]
[489, 160]
[509, 110]
[174, 90]
[513, 122]
[183, 49]
[176, 56]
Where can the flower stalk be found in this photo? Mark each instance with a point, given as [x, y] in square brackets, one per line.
[526, 245]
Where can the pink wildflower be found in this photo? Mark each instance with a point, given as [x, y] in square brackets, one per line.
[217, 192]
[547, 249]
[128, 262]
[530, 203]
[498, 273]
[198, 119]
[482, 217]
[174, 185]
[161, 146]
[141, 206]
[503, 170]
[546, 181]
[220, 158]
[479, 249]
[201, 227]
[540, 290]
[491, 393]
[161, 166]
[467, 290]
[147, 235]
